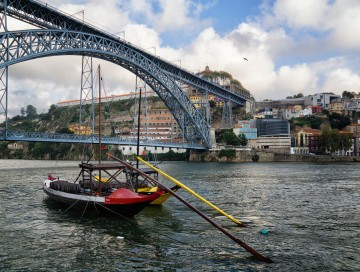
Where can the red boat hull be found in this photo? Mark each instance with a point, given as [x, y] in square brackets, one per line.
[121, 202]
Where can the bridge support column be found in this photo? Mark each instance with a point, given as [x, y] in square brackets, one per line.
[227, 120]
[86, 118]
[4, 73]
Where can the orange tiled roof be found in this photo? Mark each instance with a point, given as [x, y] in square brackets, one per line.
[311, 131]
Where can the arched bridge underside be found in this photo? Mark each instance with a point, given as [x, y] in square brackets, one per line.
[27, 45]
[72, 37]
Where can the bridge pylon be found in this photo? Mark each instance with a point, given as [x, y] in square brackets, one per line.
[227, 119]
[4, 72]
[86, 113]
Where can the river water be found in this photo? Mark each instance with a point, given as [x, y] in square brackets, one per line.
[311, 212]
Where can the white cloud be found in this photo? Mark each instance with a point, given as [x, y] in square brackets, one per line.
[345, 20]
[106, 15]
[295, 46]
[337, 21]
[340, 80]
[170, 15]
[299, 14]
[296, 79]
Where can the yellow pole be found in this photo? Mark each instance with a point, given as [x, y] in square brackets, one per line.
[190, 191]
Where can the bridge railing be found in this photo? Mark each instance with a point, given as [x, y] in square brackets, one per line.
[87, 139]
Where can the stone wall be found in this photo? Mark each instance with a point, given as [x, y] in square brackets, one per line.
[267, 156]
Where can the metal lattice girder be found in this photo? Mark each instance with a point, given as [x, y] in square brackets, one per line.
[86, 115]
[19, 46]
[4, 72]
[44, 16]
[87, 139]
[227, 120]
[3, 92]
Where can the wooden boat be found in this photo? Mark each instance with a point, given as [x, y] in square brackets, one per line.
[99, 186]
[117, 193]
[145, 188]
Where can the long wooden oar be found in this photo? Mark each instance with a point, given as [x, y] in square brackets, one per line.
[256, 254]
[182, 185]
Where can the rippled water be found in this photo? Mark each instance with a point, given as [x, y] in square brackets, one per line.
[312, 212]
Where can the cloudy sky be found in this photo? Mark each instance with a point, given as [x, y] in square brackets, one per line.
[291, 46]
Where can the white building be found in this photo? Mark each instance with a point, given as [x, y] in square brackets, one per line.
[320, 99]
[277, 143]
[264, 114]
[131, 150]
[293, 112]
[114, 97]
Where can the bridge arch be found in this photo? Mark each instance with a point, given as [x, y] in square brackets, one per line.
[20, 46]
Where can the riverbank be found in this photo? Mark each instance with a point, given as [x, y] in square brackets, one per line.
[265, 156]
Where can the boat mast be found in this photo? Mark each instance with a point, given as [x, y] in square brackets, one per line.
[99, 121]
[138, 131]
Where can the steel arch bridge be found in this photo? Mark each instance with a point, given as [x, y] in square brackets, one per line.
[63, 35]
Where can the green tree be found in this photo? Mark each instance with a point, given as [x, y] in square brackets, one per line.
[345, 141]
[40, 150]
[64, 131]
[230, 138]
[243, 140]
[312, 121]
[347, 95]
[4, 151]
[227, 136]
[22, 112]
[338, 121]
[52, 109]
[331, 140]
[334, 140]
[324, 140]
[229, 153]
[31, 111]
[255, 157]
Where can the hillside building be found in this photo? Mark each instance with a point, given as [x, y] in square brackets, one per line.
[302, 137]
[336, 106]
[104, 99]
[244, 127]
[275, 143]
[80, 130]
[296, 111]
[271, 127]
[231, 85]
[321, 99]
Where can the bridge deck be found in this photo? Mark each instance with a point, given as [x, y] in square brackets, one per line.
[87, 139]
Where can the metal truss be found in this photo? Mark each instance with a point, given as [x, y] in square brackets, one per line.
[44, 16]
[78, 38]
[4, 72]
[19, 46]
[87, 139]
[227, 120]
[86, 116]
